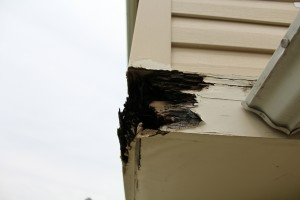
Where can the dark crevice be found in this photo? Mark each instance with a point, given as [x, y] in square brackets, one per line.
[146, 86]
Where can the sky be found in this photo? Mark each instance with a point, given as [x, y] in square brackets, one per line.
[62, 81]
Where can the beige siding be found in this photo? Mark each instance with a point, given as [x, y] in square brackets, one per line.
[264, 12]
[211, 61]
[227, 37]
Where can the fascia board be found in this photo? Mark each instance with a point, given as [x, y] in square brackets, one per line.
[199, 166]
[275, 96]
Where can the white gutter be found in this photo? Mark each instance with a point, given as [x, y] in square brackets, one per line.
[275, 97]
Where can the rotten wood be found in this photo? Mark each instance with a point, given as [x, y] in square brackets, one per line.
[145, 87]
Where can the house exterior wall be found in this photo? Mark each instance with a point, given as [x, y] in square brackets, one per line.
[227, 37]
[224, 46]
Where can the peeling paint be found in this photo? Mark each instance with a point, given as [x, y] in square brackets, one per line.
[148, 88]
[227, 81]
[138, 153]
[151, 132]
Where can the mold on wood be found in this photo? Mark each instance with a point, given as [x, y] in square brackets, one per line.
[147, 89]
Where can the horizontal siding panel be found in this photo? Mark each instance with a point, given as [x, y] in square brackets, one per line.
[203, 33]
[265, 12]
[218, 62]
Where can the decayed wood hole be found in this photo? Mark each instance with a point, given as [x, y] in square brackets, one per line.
[156, 99]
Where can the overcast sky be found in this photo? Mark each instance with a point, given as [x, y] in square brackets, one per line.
[62, 80]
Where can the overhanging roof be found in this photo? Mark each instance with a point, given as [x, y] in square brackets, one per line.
[276, 95]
